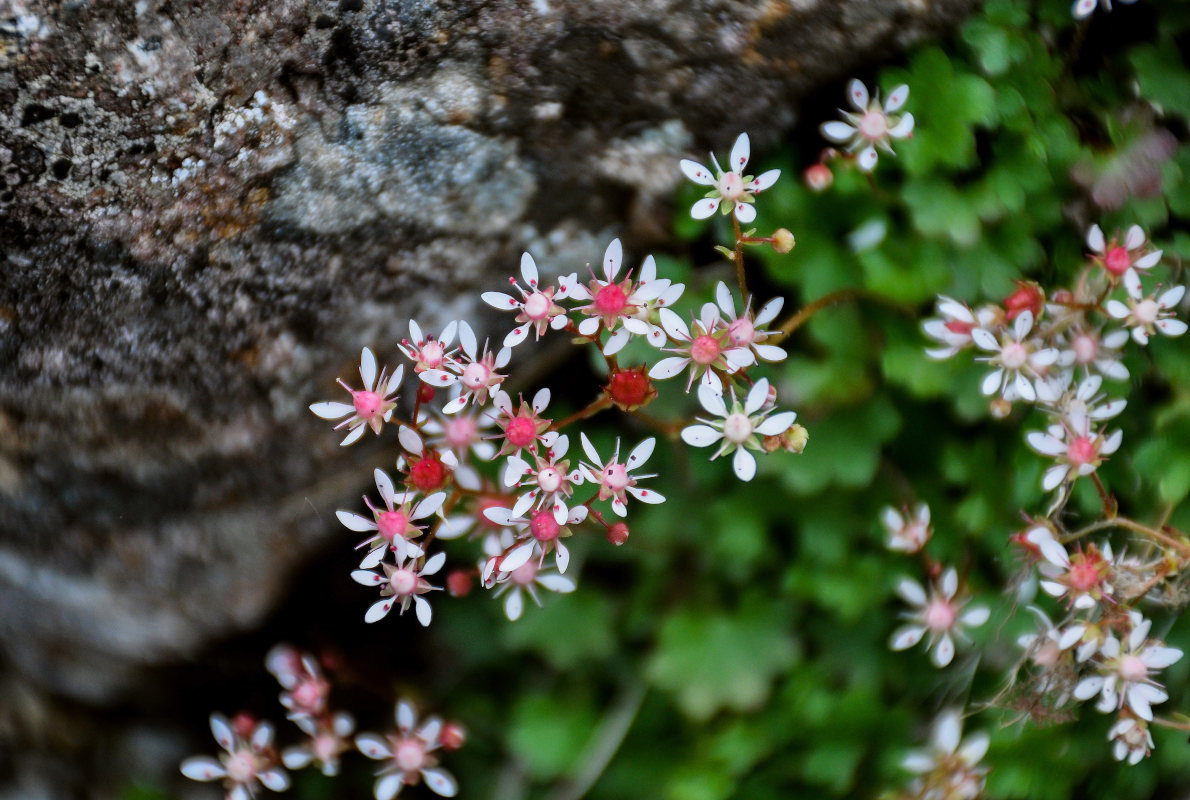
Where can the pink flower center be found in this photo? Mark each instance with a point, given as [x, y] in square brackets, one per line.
[461, 431]
[1014, 355]
[1085, 347]
[549, 480]
[1081, 451]
[741, 333]
[705, 349]
[730, 186]
[525, 573]
[1084, 574]
[241, 767]
[940, 615]
[367, 404]
[410, 755]
[610, 300]
[308, 694]
[520, 432]
[1133, 669]
[1048, 654]
[403, 582]
[737, 428]
[431, 354]
[873, 125]
[537, 306]
[392, 524]
[1117, 261]
[476, 375]
[615, 478]
[544, 527]
[326, 747]
[1146, 312]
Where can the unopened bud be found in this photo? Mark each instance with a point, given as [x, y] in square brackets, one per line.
[999, 408]
[1027, 297]
[783, 240]
[458, 583]
[617, 534]
[795, 438]
[425, 392]
[243, 725]
[630, 388]
[818, 177]
[452, 736]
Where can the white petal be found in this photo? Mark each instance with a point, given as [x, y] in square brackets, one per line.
[275, 779]
[745, 212]
[769, 352]
[615, 343]
[562, 554]
[222, 732]
[517, 558]
[764, 181]
[857, 93]
[896, 99]
[202, 768]
[985, 340]
[903, 128]
[704, 208]
[379, 611]
[373, 746]
[387, 787]
[1134, 238]
[837, 132]
[516, 336]
[905, 637]
[330, 410]
[696, 172]
[405, 715]
[1045, 444]
[434, 564]
[355, 522]
[668, 367]
[948, 730]
[740, 153]
[1116, 309]
[640, 454]
[646, 495]
[467, 339]
[611, 260]
[943, 652]
[700, 435]
[911, 592]
[367, 368]
[756, 396]
[976, 616]
[440, 781]
[514, 604]
[1172, 297]
[867, 159]
[529, 270]
[744, 464]
[1054, 476]
[422, 607]
[991, 382]
[557, 583]
[367, 578]
[1171, 327]
[712, 401]
[1095, 239]
[296, 757]
[776, 424]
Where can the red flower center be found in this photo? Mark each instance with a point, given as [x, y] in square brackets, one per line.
[544, 527]
[705, 349]
[610, 300]
[367, 404]
[520, 432]
[1117, 261]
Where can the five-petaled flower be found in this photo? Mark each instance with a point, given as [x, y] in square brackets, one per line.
[732, 190]
[371, 406]
[739, 428]
[409, 752]
[617, 306]
[249, 761]
[615, 479]
[1125, 671]
[940, 614]
[403, 582]
[392, 527]
[1118, 258]
[1144, 313]
[871, 125]
[537, 307]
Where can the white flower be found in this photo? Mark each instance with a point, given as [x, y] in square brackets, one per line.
[704, 350]
[1083, 8]
[394, 526]
[744, 332]
[523, 580]
[1145, 313]
[939, 614]
[740, 427]
[536, 307]
[328, 740]
[1130, 739]
[410, 753]
[1125, 672]
[404, 581]
[616, 305]
[1083, 579]
[425, 351]
[907, 532]
[733, 189]
[954, 325]
[871, 125]
[477, 376]
[949, 769]
[616, 480]
[540, 533]
[1017, 358]
[1122, 259]
[1096, 349]
[552, 479]
[244, 765]
[371, 406]
[1078, 450]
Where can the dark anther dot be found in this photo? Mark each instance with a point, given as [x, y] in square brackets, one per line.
[71, 119]
[61, 168]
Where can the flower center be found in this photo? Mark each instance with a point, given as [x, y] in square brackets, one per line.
[476, 375]
[403, 582]
[610, 300]
[392, 524]
[521, 432]
[367, 404]
[1117, 261]
[326, 747]
[241, 767]
[461, 431]
[1146, 312]
[1133, 669]
[737, 428]
[1014, 355]
[873, 126]
[940, 615]
[549, 480]
[308, 694]
[730, 186]
[1082, 450]
[705, 349]
[544, 527]
[741, 333]
[525, 573]
[960, 327]
[537, 306]
[1084, 574]
[410, 755]
[1085, 347]
[616, 478]
[431, 354]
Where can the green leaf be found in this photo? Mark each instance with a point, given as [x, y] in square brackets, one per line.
[537, 630]
[548, 733]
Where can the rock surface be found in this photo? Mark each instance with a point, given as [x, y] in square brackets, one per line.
[206, 208]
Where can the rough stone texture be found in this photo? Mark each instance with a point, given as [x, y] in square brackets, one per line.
[206, 207]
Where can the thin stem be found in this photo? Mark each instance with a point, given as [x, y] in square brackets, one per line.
[738, 257]
[809, 310]
[1110, 506]
[597, 405]
[1159, 536]
[604, 743]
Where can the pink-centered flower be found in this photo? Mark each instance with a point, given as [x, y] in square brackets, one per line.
[1084, 8]
[523, 428]
[1126, 669]
[424, 350]
[615, 479]
[525, 579]
[1076, 446]
[1095, 350]
[393, 526]
[329, 739]
[732, 191]
[939, 614]
[953, 326]
[1145, 314]
[908, 531]
[409, 753]
[550, 477]
[460, 433]
[871, 125]
[1017, 358]
[615, 305]
[305, 688]
[1118, 258]
[745, 332]
[476, 374]
[536, 309]
[249, 761]
[402, 583]
[539, 533]
[950, 768]
[703, 348]
[370, 407]
[1083, 578]
[739, 428]
[1130, 738]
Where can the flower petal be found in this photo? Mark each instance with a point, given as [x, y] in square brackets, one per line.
[696, 172]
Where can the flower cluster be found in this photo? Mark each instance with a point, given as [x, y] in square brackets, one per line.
[250, 760]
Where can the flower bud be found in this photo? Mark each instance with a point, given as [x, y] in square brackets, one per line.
[425, 392]
[1027, 297]
[999, 408]
[818, 177]
[630, 389]
[452, 736]
[458, 583]
[783, 240]
[617, 534]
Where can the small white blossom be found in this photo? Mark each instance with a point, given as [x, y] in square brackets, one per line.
[733, 190]
[871, 125]
[537, 307]
[1144, 314]
[1017, 359]
[1083, 8]
[477, 376]
[249, 761]
[392, 527]
[409, 752]
[615, 479]
[907, 532]
[740, 426]
[328, 740]
[1130, 739]
[370, 407]
[939, 614]
[404, 582]
[745, 332]
[950, 768]
[525, 579]
[953, 326]
[1125, 672]
[1122, 259]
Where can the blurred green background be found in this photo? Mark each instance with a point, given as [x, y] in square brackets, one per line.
[741, 634]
